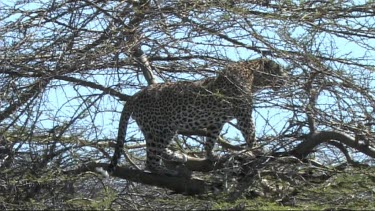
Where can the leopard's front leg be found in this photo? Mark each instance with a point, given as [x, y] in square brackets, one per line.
[246, 126]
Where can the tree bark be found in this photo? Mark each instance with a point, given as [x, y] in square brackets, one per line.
[189, 186]
[303, 149]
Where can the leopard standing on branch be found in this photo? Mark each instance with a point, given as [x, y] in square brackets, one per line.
[162, 110]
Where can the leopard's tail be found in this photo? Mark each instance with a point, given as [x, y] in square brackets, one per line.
[124, 119]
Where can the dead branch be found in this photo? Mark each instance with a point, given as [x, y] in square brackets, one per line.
[34, 90]
[306, 147]
[93, 85]
[134, 36]
[188, 186]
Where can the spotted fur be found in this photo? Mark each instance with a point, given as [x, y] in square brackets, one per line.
[162, 110]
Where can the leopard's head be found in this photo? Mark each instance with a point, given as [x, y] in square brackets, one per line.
[268, 74]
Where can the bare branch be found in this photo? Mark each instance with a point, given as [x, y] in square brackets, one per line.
[188, 186]
[34, 90]
[303, 149]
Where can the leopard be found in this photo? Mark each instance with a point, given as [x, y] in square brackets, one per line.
[163, 110]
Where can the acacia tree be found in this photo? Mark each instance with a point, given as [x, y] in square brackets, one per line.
[65, 65]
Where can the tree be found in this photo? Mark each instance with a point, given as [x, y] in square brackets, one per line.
[65, 65]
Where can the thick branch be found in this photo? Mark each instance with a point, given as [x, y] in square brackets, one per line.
[343, 149]
[146, 67]
[134, 39]
[303, 149]
[180, 185]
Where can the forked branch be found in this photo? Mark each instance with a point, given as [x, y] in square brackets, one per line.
[303, 149]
